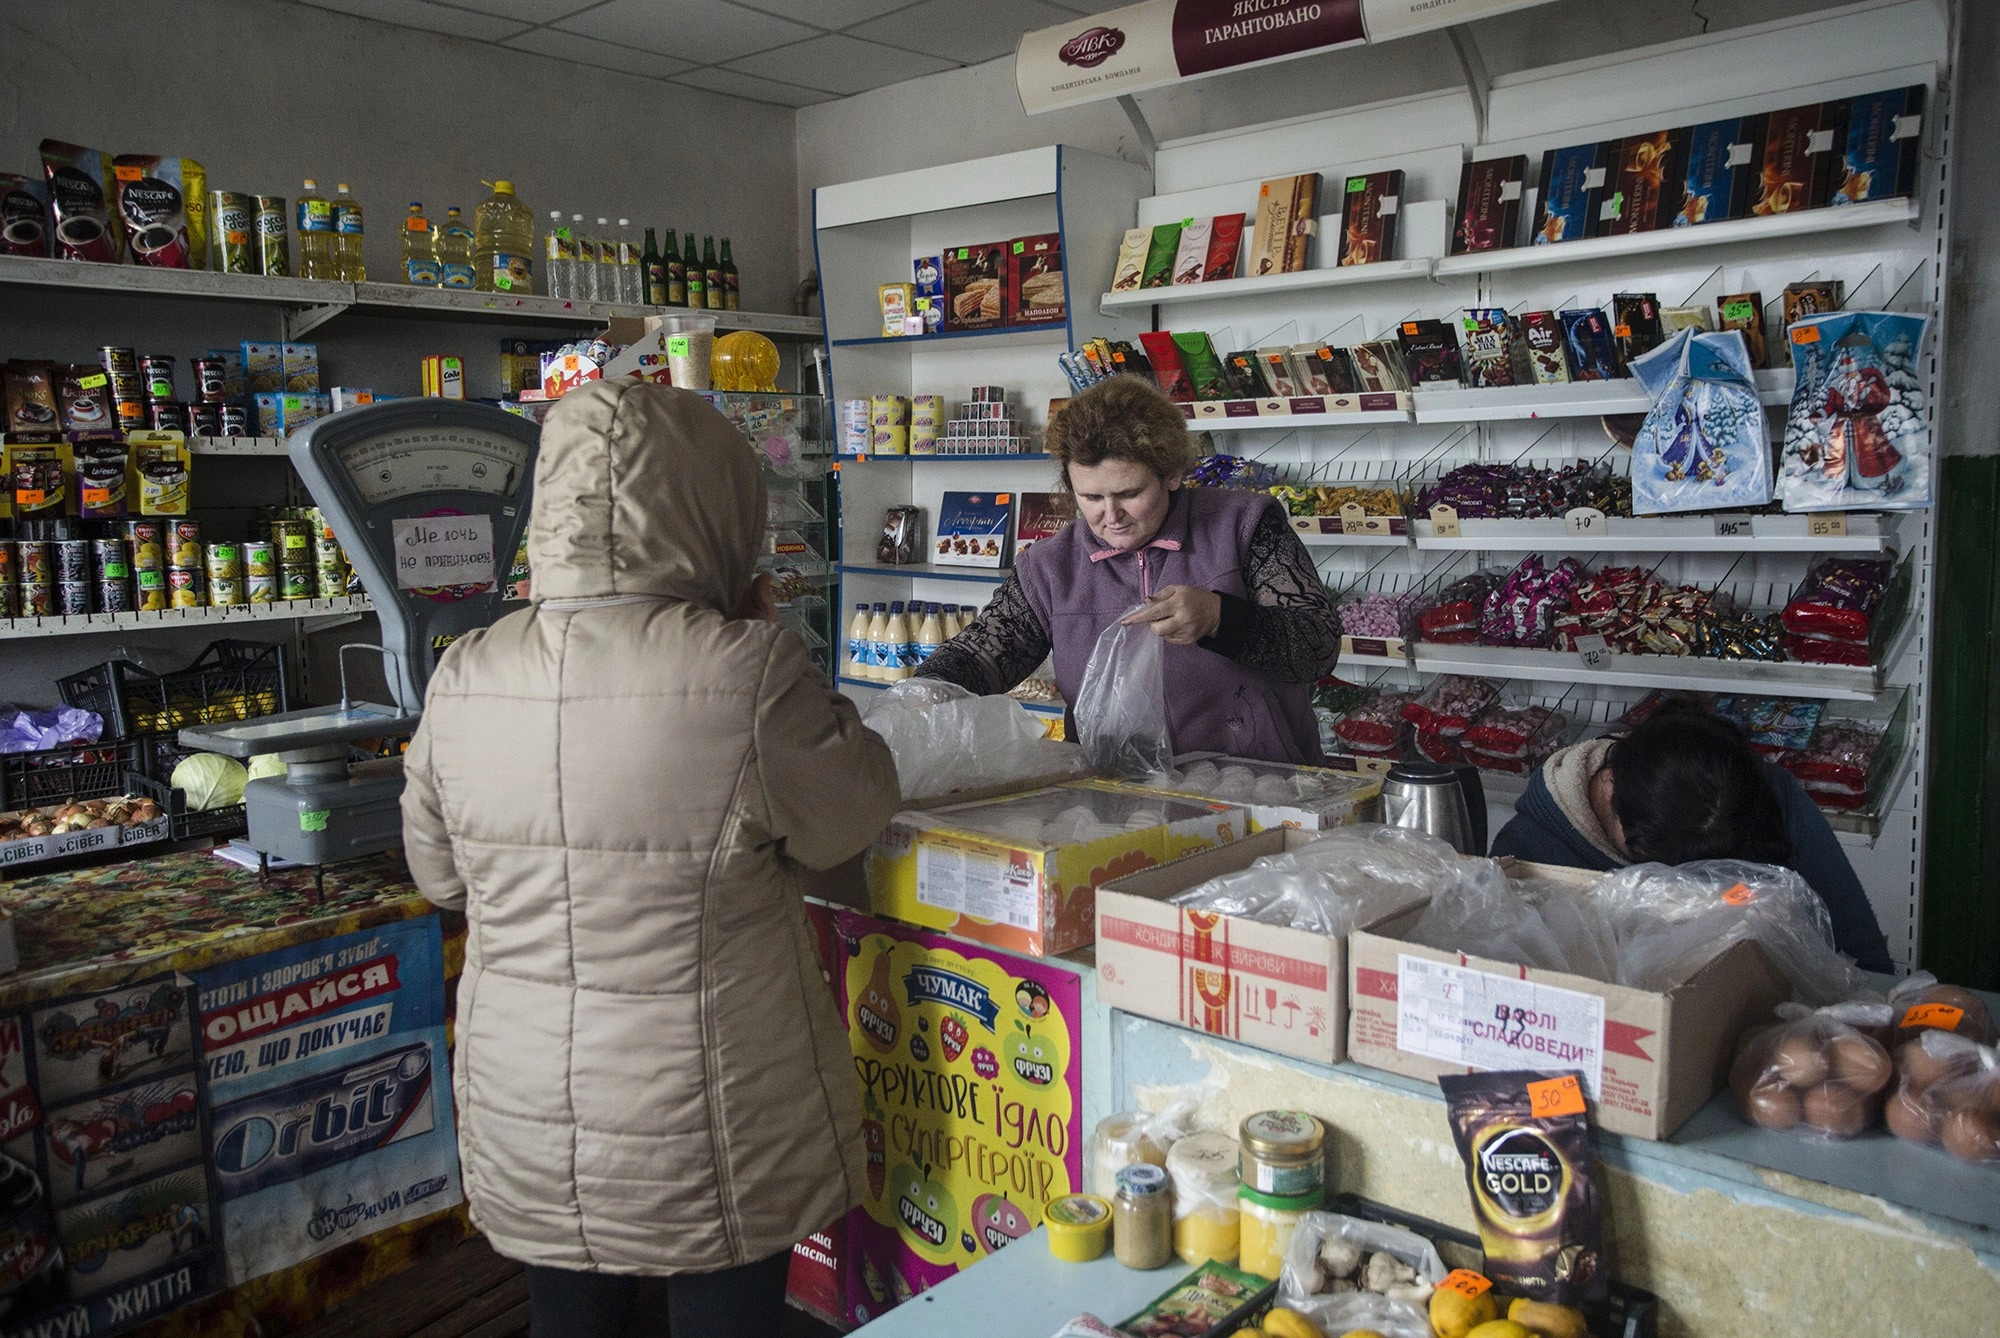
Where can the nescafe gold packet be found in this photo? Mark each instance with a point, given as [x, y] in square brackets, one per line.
[1526, 1146]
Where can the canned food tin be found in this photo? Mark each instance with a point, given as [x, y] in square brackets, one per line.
[232, 223]
[148, 552]
[224, 591]
[209, 376]
[223, 561]
[34, 560]
[10, 601]
[331, 578]
[234, 421]
[260, 589]
[114, 596]
[328, 550]
[72, 597]
[184, 588]
[111, 559]
[72, 560]
[132, 414]
[8, 572]
[184, 544]
[295, 583]
[204, 420]
[118, 360]
[293, 536]
[259, 558]
[274, 247]
[150, 582]
[157, 371]
[38, 599]
[165, 416]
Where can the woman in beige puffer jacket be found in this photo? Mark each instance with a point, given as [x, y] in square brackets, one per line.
[620, 786]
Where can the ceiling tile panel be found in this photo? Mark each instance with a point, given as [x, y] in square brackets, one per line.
[601, 55]
[967, 31]
[756, 90]
[429, 17]
[701, 32]
[826, 13]
[527, 11]
[840, 64]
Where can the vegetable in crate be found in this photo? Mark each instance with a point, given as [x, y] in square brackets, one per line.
[210, 781]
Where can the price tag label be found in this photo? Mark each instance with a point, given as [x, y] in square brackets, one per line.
[1467, 1283]
[1942, 1016]
[1586, 522]
[1739, 895]
[1444, 522]
[1556, 1096]
[1805, 334]
[91, 382]
[1829, 526]
[1353, 520]
[1593, 650]
[1732, 527]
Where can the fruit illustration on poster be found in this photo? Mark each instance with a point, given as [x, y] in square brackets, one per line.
[876, 1016]
[1029, 1057]
[996, 1223]
[925, 1211]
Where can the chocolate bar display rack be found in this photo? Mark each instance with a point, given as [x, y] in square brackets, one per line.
[1305, 280]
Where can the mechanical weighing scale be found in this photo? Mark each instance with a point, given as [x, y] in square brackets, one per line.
[430, 498]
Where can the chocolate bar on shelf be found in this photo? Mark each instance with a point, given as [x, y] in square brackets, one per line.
[1572, 181]
[1286, 220]
[1722, 162]
[1814, 297]
[1241, 373]
[1430, 352]
[1489, 347]
[1884, 134]
[1370, 206]
[1745, 312]
[1802, 158]
[1541, 335]
[1225, 240]
[1489, 204]
[1379, 364]
[1593, 356]
[1164, 356]
[1642, 190]
[1635, 325]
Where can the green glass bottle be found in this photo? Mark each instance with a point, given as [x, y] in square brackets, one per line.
[655, 268]
[677, 279]
[697, 279]
[730, 300]
[711, 274]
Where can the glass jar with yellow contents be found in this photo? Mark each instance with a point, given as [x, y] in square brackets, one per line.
[1267, 1223]
[1203, 1167]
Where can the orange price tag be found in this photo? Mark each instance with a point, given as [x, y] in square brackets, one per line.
[1622, 331]
[25, 497]
[97, 496]
[126, 172]
[1001, 499]
[1556, 1096]
[1740, 895]
[1466, 1283]
[1942, 1016]
[1411, 327]
[1805, 334]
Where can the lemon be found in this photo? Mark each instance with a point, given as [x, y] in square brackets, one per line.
[1500, 1328]
[1546, 1320]
[1361, 1333]
[1289, 1324]
[1454, 1315]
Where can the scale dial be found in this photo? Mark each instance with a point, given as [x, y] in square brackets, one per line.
[434, 459]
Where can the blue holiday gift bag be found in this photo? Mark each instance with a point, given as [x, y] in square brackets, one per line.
[1704, 445]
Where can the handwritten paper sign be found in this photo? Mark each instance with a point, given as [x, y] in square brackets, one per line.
[444, 552]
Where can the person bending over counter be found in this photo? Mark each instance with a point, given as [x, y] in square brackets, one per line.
[1216, 573]
[1686, 785]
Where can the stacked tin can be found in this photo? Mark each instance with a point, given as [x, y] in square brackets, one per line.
[223, 562]
[330, 572]
[186, 586]
[34, 565]
[73, 571]
[128, 388]
[889, 420]
[146, 550]
[292, 538]
[10, 580]
[208, 416]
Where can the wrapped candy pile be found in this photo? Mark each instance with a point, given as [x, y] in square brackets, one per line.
[1832, 616]
[1374, 613]
[1322, 499]
[1524, 492]
[1452, 617]
[1230, 471]
[1834, 768]
[1523, 609]
[1375, 727]
[1444, 711]
[1514, 739]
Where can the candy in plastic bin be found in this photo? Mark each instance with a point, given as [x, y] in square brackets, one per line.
[1377, 726]
[1512, 731]
[1450, 704]
[1235, 783]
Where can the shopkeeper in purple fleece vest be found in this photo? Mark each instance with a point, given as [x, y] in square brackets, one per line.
[1221, 577]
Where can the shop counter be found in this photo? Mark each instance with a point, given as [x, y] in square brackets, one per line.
[167, 1008]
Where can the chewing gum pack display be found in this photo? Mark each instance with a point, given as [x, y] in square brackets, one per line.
[1525, 1140]
[163, 205]
[80, 182]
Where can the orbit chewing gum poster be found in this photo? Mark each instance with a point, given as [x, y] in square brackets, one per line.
[971, 1080]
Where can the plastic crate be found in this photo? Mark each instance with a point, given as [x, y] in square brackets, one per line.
[231, 680]
[1626, 1312]
[62, 775]
[183, 822]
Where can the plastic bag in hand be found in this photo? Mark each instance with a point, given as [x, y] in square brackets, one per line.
[1673, 919]
[1121, 709]
[945, 738]
[1348, 878]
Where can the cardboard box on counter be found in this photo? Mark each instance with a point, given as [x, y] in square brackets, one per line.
[1651, 1058]
[1265, 985]
[975, 871]
[1349, 797]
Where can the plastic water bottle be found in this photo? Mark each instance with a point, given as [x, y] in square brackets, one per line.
[348, 231]
[420, 262]
[315, 220]
[631, 274]
[503, 243]
[605, 272]
[454, 252]
[558, 258]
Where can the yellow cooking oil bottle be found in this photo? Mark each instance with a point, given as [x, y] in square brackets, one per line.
[503, 246]
[454, 252]
[420, 260]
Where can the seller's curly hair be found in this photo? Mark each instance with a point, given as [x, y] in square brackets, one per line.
[1124, 418]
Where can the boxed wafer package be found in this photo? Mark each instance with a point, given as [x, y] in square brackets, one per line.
[1035, 286]
[1286, 220]
[974, 280]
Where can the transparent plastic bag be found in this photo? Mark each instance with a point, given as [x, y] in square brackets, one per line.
[1671, 920]
[944, 738]
[1328, 1248]
[1970, 1125]
[1121, 709]
[1130, 1137]
[1482, 911]
[1920, 1002]
[1924, 1065]
[1350, 877]
[1812, 1074]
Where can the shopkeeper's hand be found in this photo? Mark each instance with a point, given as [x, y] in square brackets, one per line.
[1180, 614]
[758, 606]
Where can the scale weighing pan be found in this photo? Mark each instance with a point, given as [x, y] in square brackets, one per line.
[430, 498]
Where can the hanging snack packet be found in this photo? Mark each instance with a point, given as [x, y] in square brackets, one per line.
[1858, 434]
[1525, 1142]
[1705, 443]
[1131, 259]
[77, 193]
[1160, 252]
[163, 203]
[24, 216]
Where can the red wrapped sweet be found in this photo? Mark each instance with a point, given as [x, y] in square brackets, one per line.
[1838, 599]
[1827, 650]
[1450, 704]
[1512, 732]
[1377, 727]
[1839, 758]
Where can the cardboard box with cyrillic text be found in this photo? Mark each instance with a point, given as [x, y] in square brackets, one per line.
[1265, 985]
[1650, 1058]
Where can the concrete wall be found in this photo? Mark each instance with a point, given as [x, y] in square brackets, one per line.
[264, 94]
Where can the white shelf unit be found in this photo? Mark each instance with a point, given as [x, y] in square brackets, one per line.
[1326, 276]
[866, 234]
[1888, 255]
[172, 619]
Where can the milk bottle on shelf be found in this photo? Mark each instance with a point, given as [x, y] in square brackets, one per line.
[878, 643]
[857, 643]
[902, 651]
[930, 633]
